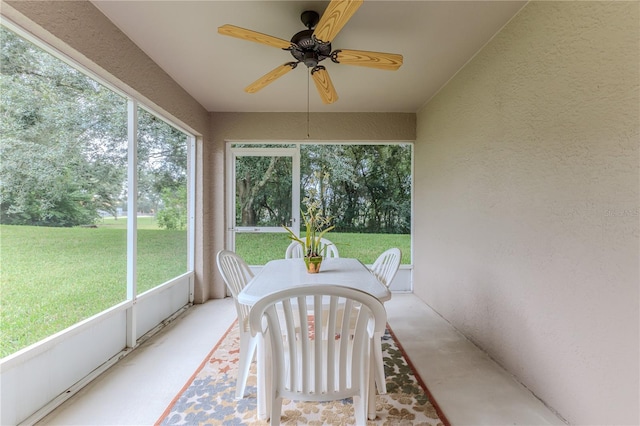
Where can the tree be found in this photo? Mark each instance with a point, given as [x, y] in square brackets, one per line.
[173, 215]
[365, 188]
[263, 188]
[162, 170]
[368, 187]
[62, 140]
[64, 144]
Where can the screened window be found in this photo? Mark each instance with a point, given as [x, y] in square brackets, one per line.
[64, 194]
[162, 201]
[364, 188]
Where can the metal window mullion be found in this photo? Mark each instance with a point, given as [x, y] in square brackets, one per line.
[230, 202]
[295, 192]
[132, 219]
[191, 209]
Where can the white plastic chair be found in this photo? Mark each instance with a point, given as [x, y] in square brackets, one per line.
[384, 268]
[386, 265]
[294, 250]
[316, 360]
[236, 275]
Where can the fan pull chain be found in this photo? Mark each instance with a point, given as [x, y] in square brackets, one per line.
[308, 78]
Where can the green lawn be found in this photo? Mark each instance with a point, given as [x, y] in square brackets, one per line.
[51, 278]
[365, 247]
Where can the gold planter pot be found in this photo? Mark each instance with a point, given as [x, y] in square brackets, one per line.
[313, 264]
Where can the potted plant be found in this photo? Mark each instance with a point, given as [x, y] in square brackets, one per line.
[317, 226]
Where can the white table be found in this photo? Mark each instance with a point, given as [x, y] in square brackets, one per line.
[286, 273]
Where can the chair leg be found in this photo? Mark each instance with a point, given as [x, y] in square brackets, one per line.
[247, 350]
[276, 411]
[371, 393]
[378, 364]
[360, 407]
[264, 377]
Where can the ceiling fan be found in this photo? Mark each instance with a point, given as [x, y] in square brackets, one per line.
[313, 45]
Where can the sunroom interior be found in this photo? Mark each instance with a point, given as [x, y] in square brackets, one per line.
[525, 213]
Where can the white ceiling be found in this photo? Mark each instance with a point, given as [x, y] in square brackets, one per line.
[436, 39]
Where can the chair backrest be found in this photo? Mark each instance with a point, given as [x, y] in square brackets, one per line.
[319, 354]
[236, 274]
[386, 265]
[294, 250]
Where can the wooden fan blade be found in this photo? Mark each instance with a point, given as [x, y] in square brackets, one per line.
[233, 31]
[380, 60]
[334, 17]
[270, 77]
[324, 85]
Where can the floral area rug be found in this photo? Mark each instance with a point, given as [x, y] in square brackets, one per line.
[208, 398]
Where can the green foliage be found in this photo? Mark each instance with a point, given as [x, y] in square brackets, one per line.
[64, 150]
[62, 140]
[162, 166]
[368, 188]
[263, 191]
[174, 213]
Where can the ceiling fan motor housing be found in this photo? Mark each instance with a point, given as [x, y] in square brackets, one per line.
[306, 48]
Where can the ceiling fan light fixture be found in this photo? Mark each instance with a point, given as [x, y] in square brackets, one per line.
[310, 59]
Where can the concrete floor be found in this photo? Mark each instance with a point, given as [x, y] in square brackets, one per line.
[467, 385]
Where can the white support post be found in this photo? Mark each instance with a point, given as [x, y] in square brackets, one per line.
[132, 220]
[191, 210]
[295, 192]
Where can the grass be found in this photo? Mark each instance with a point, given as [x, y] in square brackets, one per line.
[52, 278]
[365, 247]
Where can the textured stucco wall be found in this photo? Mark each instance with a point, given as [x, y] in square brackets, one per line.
[282, 127]
[83, 33]
[527, 201]
[321, 126]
